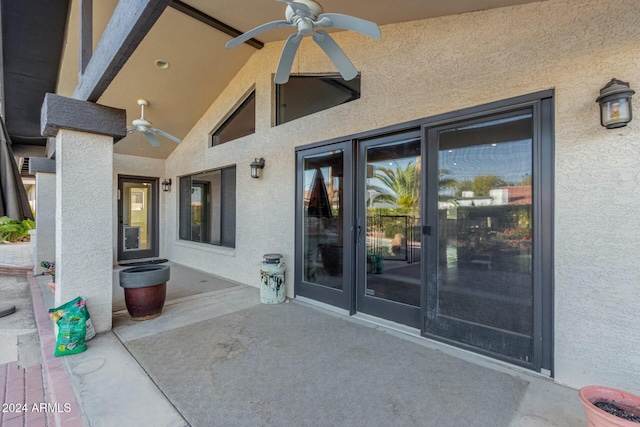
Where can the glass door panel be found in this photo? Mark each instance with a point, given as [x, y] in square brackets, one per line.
[325, 226]
[138, 210]
[390, 252]
[483, 292]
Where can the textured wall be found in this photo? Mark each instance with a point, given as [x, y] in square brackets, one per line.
[84, 219]
[427, 67]
[45, 249]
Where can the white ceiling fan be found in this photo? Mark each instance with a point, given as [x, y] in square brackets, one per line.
[306, 15]
[144, 126]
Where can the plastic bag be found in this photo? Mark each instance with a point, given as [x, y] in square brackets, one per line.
[72, 319]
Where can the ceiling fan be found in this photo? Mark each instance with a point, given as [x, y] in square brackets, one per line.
[144, 126]
[306, 15]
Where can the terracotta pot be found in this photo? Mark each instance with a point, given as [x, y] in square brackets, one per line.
[596, 417]
[145, 290]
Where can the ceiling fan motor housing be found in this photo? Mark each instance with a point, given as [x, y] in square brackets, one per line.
[314, 8]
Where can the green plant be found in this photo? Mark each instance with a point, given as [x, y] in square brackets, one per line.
[12, 230]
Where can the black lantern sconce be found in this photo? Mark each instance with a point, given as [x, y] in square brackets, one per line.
[256, 165]
[166, 184]
[615, 104]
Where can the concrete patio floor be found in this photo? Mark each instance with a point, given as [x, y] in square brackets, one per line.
[216, 356]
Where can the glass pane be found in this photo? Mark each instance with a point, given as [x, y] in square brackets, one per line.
[304, 95]
[393, 222]
[241, 123]
[208, 207]
[323, 237]
[484, 232]
[137, 216]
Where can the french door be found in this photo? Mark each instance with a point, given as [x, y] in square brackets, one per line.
[137, 217]
[324, 247]
[389, 251]
[446, 228]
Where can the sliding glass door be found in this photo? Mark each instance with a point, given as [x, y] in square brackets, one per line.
[324, 222]
[389, 248]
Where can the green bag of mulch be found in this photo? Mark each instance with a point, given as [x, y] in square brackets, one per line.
[71, 319]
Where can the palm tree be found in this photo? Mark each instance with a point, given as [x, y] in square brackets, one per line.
[401, 186]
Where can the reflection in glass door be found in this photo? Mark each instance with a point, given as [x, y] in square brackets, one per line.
[390, 249]
[137, 217]
[484, 287]
[324, 243]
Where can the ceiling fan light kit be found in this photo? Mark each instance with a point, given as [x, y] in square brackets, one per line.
[306, 15]
[144, 126]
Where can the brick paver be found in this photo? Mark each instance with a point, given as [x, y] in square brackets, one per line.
[22, 396]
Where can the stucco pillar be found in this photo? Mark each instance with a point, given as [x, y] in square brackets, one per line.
[84, 220]
[45, 242]
[85, 134]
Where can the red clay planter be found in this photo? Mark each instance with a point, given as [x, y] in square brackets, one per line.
[596, 417]
[145, 290]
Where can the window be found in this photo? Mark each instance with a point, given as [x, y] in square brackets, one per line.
[304, 95]
[241, 122]
[208, 207]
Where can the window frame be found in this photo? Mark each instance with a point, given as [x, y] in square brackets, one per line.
[232, 115]
[335, 77]
[227, 234]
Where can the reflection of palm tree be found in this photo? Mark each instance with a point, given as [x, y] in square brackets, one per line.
[401, 186]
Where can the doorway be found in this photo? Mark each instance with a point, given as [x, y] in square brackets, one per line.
[137, 217]
[444, 227]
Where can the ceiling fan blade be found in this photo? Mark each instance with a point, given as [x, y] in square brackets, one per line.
[300, 9]
[257, 30]
[286, 59]
[152, 138]
[337, 56]
[131, 129]
[347, 22]
[165, 134]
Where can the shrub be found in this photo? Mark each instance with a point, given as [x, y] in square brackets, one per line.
[12, 230]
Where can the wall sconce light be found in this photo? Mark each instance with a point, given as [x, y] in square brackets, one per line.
[256, 165]
[166, 184]
[615, 104]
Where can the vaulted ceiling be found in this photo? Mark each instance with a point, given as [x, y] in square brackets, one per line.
[36, 56]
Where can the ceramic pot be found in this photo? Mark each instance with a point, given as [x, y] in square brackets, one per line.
[145, 290]
[596, 417]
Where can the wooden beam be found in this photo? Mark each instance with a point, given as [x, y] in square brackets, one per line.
[86, 35]
[130, 23]
[212, 22]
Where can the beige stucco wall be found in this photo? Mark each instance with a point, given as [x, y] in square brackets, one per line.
[423, 68]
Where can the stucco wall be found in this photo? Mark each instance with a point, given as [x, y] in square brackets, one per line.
[428, 67]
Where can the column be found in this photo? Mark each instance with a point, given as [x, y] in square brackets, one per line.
[85, 134]
[45, 241]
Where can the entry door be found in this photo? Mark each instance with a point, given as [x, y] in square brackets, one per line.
[481, 291]
[389, 274]
[324, 245]
[137, 217]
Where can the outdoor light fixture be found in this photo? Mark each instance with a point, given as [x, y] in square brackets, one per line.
[166, 184]
[256, 165]
[615, 104]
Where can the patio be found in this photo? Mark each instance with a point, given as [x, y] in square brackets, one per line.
[216, 356]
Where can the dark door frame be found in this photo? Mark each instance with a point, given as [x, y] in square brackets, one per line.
[386, 309]
[541, 107]
[154, 227]
[339, 298]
